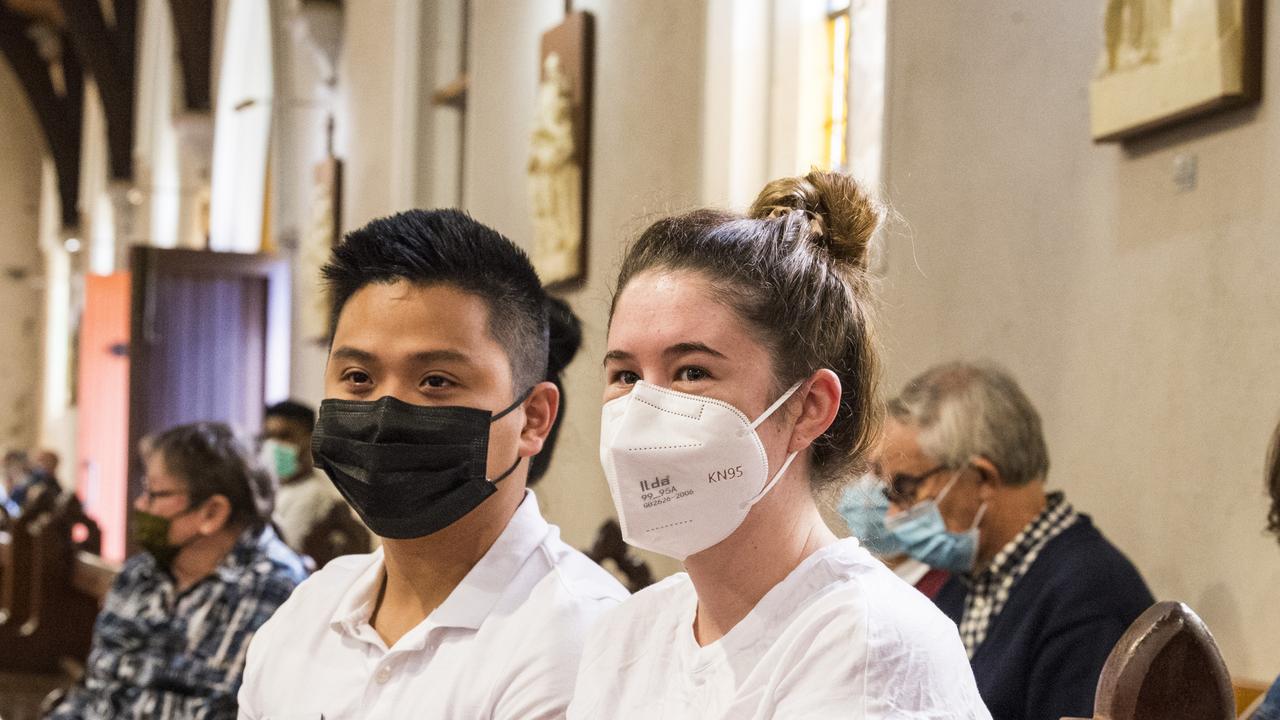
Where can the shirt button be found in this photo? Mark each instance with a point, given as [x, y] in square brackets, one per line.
[384, 674]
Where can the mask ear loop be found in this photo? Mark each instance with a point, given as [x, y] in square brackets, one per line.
[977, 519]
[511, 408]
[524, 396]
[791, 457]
[950, 484]
[770, 410]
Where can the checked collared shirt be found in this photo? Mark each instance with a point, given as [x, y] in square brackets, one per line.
[161, 654]
[989, 589]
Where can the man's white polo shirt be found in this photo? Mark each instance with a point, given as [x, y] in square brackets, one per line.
[504, 645]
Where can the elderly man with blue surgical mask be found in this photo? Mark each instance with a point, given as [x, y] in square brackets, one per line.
[1040, 596]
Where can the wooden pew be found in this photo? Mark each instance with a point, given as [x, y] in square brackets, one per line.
[610, 546]
[339, 533]
[1249, 697]
[51, 588]
[1165, 667]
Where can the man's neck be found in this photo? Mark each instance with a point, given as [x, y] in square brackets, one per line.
[198, 560]
[302, 475]
[422, 572]
[1019, 506]
[730, 578]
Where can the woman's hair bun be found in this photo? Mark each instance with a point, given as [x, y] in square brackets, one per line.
[842, 216]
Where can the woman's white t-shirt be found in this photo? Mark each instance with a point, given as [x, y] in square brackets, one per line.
[839, 637]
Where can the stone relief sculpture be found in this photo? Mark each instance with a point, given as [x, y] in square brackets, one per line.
[1164, 61]
[1135, 31]
[555, 178]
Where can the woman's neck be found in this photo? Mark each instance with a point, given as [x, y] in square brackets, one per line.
[731, 577]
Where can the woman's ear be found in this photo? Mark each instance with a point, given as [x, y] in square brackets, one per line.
[820, 401]
[214, 514]
[540, 411]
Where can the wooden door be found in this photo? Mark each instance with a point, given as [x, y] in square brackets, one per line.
[209, 341]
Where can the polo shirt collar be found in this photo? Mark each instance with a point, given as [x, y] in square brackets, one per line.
[475, 597]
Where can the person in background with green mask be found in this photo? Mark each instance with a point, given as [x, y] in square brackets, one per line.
[172, 636]
[304, 496]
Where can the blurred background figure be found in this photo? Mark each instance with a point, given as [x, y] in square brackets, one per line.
[1270, 708]
[304, 495]
[15, 472]
[40, 474]
[1039, 595]
[863, 505]
[171, 639]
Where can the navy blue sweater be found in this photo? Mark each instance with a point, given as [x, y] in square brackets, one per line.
[1043, 653]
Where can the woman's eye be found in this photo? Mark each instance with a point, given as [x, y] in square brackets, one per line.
[692, 374]
[626, 377]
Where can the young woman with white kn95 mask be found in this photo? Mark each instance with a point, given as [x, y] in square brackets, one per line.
[741, 375]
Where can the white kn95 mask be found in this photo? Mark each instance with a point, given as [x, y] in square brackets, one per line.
[684, 470]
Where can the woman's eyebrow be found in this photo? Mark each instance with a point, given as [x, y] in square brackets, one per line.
[686, 348]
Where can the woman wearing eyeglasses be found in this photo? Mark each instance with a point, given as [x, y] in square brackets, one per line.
[740, 377]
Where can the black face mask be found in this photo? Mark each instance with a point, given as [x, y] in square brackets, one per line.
[408, 470]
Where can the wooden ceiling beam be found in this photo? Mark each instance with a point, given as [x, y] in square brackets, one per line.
[193, 26]
[107, 53]
[59, 115]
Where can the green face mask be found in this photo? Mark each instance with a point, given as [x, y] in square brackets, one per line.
[282, 458]
[151, 533]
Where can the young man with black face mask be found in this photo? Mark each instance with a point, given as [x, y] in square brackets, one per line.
[438, 413]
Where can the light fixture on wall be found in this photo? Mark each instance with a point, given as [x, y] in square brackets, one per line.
[72, 245]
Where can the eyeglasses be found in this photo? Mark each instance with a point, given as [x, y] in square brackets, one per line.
[150, 496]
[901, 489]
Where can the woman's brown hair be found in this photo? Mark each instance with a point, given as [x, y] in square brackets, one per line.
[794, 268]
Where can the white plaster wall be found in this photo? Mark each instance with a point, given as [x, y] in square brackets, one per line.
[304, 102]
[21, 267]
[646, 160]
[1144, 323]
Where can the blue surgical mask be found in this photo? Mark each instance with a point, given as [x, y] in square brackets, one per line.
[863, 507]
[923, 535]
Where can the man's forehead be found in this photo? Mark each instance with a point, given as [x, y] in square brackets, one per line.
[899, 443]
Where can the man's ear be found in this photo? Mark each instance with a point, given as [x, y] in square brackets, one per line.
[540, 411]
[819, 405]
[214, 514]
[989, 478]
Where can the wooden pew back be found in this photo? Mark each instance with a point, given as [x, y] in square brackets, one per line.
[49, 595]
[339, 533]
[1165, 667]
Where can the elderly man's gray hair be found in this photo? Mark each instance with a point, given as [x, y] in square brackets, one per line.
[963, 410]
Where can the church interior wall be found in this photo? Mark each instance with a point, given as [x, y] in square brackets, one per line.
[1141, 320]
[22, 267]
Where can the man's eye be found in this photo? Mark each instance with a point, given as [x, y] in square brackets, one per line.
[357, 377]
[437, 381]
[692, 374]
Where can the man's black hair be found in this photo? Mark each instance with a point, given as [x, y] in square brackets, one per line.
[427, 247]
[294, 411]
